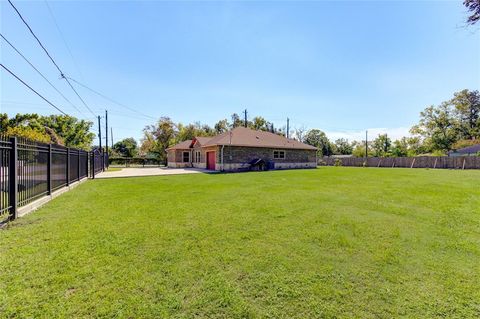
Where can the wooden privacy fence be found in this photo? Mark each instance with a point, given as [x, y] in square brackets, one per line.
[446, 162]
[32, 170]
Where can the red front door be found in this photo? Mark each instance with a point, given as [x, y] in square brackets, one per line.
[211, 160]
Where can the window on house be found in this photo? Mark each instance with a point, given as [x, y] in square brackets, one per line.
[186, 157]
[197, 157]
[279, 154]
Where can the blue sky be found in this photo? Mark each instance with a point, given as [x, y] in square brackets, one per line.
[342, 67]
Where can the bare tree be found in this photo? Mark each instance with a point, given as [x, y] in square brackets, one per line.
[299, 133]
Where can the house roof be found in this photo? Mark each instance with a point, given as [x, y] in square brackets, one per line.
[202, 139]
[241, 136]
[469, 150]
[185, 145]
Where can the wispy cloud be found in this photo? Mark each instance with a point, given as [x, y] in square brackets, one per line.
[358, 135]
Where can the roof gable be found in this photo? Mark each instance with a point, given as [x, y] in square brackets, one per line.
[200, 140]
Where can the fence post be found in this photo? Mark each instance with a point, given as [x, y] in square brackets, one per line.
[87, 158]
[92, 163]
[105, 161]
[13, 179]
[78, 165]
[49, 170]
[68, 166]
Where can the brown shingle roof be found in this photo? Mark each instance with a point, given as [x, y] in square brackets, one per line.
[241, 136]
[203, 139]
[185, 145]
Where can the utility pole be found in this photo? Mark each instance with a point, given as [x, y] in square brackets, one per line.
[111, 135]
[99, 134]
[366, 144]
[245, 117]
[288, 127]
[106, 131]
[385, 148]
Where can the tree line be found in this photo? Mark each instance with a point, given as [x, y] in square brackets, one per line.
[451, 125]
[57, 129]
[165, 133]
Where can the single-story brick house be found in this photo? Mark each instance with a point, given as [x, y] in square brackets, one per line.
[242, 149]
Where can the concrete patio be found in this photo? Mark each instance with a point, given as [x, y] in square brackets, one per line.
[149, 171]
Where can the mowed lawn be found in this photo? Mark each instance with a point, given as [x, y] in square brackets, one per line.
[327, 243]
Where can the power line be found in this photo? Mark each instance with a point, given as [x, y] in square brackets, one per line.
[111, 100]
[62, 75]
[56, 107]
[40, 73]
[63, 38]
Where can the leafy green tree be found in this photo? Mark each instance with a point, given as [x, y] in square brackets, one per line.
[381, 145]
[466, 106]
[158, 137]
[207, 130]
[126, 147]
[437, 127]
[359, 149]
[416, 146]
[74, 132]
[343, 147]
[236, 121]
[400, 147]
[441, 126]
[188, 132]
[320, 140]
[259, 123]
[29, 133]
[221, 126]
[59, 129]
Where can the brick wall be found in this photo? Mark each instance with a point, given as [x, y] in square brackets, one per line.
[175, 158]
[240, 154]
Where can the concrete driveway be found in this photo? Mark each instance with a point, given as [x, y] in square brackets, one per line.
[149, 171]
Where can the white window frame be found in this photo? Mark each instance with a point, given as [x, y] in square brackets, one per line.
[197, 156]
[276, 154]
[183, 157]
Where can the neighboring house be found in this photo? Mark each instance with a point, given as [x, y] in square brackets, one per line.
[466, 151]
[242, 149]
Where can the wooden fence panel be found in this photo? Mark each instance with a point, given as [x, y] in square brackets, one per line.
[440, 162]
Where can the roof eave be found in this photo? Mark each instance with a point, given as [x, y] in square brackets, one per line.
[264, 146]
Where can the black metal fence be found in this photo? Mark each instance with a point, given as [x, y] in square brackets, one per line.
[446, 162]
[31, 170]
[134, 161]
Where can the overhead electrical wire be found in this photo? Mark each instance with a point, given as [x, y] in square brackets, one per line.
[62, 75]
[28, 86]
[111, 100]
[40, 73]
[63, 38]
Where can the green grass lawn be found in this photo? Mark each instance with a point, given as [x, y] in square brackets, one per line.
[325, 243]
